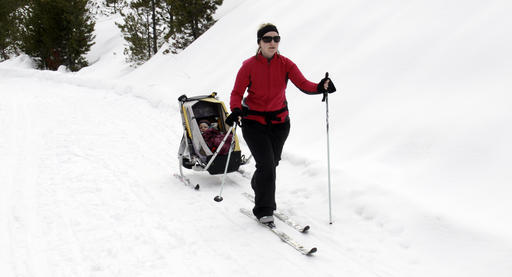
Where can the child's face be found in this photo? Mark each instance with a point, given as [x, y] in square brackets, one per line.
[203, 127]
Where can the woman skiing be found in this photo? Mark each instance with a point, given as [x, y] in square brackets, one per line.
[264, 112]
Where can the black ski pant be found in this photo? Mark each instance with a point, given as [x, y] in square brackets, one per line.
[266, 144]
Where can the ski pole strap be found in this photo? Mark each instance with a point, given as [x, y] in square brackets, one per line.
[269, 116]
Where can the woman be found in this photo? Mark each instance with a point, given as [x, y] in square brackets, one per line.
[264, 112]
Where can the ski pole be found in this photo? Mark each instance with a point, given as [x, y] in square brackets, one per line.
[219, 198]
[218, 149]
[326, 100]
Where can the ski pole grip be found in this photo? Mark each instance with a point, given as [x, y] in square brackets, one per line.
[325, 92]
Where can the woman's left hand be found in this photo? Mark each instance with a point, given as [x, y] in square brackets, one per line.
[326, 85]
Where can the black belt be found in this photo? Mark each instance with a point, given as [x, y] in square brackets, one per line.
[269, 116]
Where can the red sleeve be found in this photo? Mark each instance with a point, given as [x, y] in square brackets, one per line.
[299, 80]
[241, 83]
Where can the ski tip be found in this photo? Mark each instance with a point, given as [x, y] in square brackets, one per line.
[196, 187]
[313, 250]
[305, 229]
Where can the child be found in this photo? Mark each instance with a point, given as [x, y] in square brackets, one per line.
[204, 125]
[213, 137]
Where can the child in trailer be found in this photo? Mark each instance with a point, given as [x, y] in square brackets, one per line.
[214, 137]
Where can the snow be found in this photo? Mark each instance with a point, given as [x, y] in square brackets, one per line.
[420, 150]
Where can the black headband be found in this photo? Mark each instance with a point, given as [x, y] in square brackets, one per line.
[266, 29]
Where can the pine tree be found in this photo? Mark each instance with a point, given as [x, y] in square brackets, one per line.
[79, 35]
[144, 29]
[58, 32]
[150, 23]
[135, 31]
[192, 19]
[5, 26]
[11, 16]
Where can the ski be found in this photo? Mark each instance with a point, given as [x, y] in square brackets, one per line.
[283, 236]
[186, 181]
[283, 217]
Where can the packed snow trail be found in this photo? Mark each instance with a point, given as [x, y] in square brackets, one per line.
[87, 190]
[79, 181]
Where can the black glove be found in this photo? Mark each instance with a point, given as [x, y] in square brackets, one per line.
[330, 87]
[233, 117]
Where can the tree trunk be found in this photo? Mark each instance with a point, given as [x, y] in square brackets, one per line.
[4, 55]
[155, 47]
[195, 29]
[54, 60]
[148, 32]
[171, 21]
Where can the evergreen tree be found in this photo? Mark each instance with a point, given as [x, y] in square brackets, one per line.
[11, 16]
[79, 34]
[58, 32]
[150, 23]
[167, 15]
[5, 26]
[144, 29]
[191, 19]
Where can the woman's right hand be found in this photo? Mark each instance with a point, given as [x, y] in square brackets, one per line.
[235, 116]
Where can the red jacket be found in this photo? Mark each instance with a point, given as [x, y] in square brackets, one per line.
[266, 82]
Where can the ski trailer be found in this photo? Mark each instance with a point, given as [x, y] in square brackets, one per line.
[194, 152]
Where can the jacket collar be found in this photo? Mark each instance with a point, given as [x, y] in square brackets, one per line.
[260, 57]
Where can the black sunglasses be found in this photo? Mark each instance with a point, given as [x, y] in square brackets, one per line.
[268, 39]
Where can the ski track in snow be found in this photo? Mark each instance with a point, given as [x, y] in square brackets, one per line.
[89, 192]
